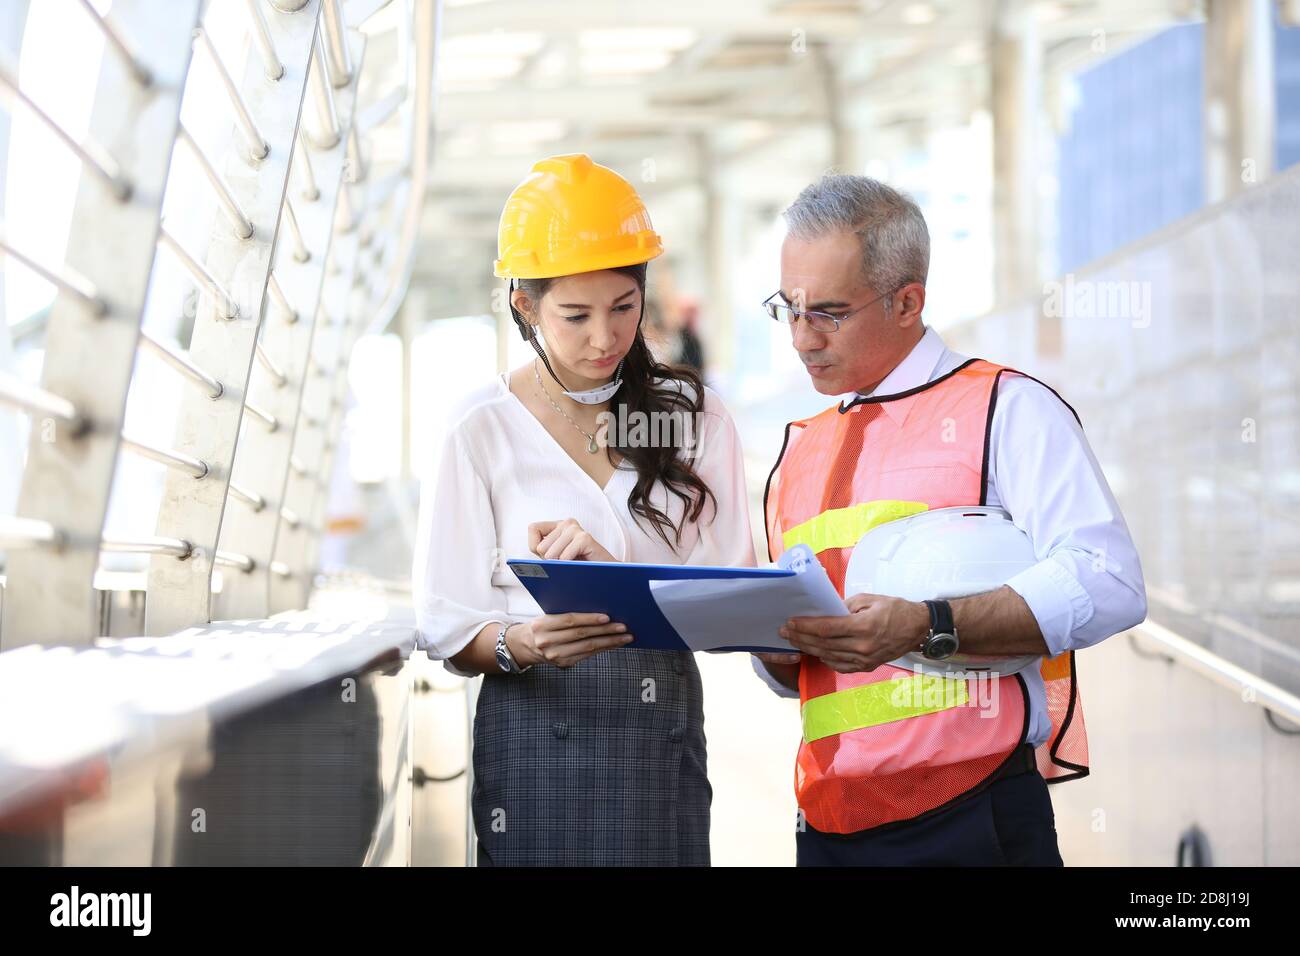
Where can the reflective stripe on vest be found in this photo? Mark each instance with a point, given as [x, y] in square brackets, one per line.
[842, 527]
[881, 703]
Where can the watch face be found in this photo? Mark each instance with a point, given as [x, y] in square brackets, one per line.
[503, 661]
[941, 646]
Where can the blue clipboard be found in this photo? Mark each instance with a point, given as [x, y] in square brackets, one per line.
[623, 592]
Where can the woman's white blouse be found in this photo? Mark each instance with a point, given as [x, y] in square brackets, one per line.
[500, 470]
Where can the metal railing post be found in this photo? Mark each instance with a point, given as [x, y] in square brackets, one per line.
[180, 591]
[262, 460]
[49, 594]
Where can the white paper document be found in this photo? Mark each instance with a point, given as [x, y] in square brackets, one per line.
[719, 613]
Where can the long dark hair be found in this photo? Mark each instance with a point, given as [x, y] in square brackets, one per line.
[680, 395]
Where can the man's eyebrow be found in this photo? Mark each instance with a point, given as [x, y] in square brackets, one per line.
[583, 305]
[817, 306]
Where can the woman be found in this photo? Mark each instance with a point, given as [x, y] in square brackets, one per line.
[586, 752]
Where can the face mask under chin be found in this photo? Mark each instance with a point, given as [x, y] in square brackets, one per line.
[602, 393]
[590, 396]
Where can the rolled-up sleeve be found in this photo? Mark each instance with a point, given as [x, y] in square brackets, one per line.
[455, 548]
[1087, 584]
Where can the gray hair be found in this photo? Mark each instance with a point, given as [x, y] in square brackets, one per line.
[890, 228]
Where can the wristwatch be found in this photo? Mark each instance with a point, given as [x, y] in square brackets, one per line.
[941, 643]
[504, 659]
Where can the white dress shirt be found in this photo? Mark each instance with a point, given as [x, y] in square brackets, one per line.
[500, 470]
[1087, 584]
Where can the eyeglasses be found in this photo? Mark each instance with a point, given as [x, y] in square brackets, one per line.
[819, 321]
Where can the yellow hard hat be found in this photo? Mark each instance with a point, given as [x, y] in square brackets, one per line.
[569, 216]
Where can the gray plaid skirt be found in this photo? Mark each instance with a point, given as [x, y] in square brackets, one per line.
[600, 764]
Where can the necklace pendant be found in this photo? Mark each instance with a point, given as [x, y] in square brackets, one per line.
[592, 446]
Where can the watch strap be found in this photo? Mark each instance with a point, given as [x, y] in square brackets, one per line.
[941, 617]
[503, 650]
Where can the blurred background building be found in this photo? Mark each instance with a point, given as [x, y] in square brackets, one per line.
[1113, 204]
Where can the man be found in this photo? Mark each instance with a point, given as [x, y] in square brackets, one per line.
[919, 427]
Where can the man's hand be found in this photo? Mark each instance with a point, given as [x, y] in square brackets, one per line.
[878, 629]
[565, 541]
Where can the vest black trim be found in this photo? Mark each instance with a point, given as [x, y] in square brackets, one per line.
[988, 427]
[1050, 389]
[875, 399]
[767, 488]
[1079, 770]
[988, 439]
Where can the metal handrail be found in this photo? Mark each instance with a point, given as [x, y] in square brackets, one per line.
[202, 276]
[250, 498]
[258, 148]
[273, 370]
[183, 364]
[281, 302]
[29, 533]
[300, 251]
[34, 400]
[265, 417]
[91, 153]
[327, 134]
[133, 64]
[149, 545]
[66, 280]
[232, 559]
[1222, 621]
[1251, 687]
[302, 162]
[338, 60]
[243, 225]
[265, 45]
[191, 466]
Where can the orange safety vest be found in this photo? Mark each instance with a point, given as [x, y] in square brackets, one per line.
[892, 745]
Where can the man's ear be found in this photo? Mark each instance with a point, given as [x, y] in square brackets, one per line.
[909, 302]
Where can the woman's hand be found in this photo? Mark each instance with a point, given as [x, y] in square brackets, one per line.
[564, 639]
[784, 667]
[565, 541]
[778, 658]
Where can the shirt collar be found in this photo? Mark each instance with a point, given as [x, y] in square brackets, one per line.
[918, 367]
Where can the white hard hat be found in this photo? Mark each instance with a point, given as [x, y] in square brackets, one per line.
[942, 554]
